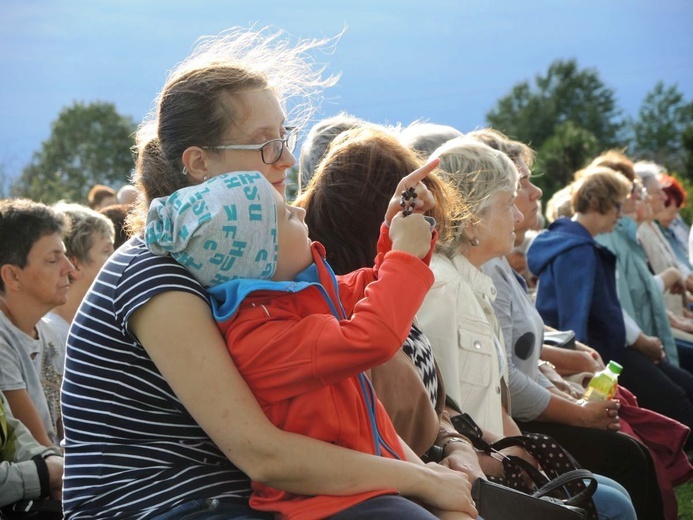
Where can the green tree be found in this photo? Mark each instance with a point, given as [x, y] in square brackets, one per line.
[568, 107]
[89, 144]
[4, 182]
[292, 183]
[664, 121]
[569, 149]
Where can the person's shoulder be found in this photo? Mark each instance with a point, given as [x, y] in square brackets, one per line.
[51, 331]
[496, 268]
[135, 263]
[8, 331]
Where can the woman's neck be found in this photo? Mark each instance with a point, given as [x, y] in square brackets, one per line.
[21, 318]
[592, 222]
[476, 257]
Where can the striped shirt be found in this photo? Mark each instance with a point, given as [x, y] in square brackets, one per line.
[132, 450]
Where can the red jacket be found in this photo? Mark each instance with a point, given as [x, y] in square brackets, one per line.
[302, 347]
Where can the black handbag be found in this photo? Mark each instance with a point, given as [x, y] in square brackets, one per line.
[560, 338]
[557, 466]
[497, 502]
[42, 509]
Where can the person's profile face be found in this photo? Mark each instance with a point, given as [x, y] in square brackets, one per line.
[260, 119]
[498, 222]
[293, 244]
[45, 277]
[528, 199]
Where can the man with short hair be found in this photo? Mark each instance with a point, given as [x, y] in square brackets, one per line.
[34, 278]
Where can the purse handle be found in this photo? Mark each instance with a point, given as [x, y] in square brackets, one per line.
[566, 478]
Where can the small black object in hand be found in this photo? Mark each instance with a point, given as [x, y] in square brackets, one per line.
[408, 201]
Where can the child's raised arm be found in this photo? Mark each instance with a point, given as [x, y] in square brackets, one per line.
[424, 200]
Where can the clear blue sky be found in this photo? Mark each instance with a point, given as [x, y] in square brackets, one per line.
[444, 60]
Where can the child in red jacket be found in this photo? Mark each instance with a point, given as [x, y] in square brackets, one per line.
[301, 336]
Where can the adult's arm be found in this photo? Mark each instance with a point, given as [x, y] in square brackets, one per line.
[24, 411]
[298, 354]
[19, 477]
[458, 453]
[632, 328]
[178, 332]
[568, 361]
[528, 397]
[602, 415]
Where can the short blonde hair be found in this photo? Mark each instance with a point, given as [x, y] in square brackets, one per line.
[598, 188]
[499, 141]
[424, 137]
[476, 172]
[559, 205]
[617, 161]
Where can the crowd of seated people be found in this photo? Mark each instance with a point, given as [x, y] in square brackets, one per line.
[195, 318]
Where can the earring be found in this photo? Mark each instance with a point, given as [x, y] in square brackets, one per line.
[205, 178]
[184, 171]
[474, 242]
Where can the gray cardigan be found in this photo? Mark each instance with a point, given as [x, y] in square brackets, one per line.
[523, 332]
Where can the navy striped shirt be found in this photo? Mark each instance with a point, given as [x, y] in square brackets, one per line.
[132, 450]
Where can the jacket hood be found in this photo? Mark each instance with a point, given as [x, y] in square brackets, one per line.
[227, 297]
[563, 235]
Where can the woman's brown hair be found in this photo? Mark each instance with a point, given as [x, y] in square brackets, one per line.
[193, 108]
[346, 200]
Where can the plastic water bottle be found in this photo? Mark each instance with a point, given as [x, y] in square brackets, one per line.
[603, 384]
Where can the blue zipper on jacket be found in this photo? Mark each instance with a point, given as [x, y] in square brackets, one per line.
[367, 390]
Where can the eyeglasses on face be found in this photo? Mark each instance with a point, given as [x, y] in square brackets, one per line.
[638, 192]
[271, 151]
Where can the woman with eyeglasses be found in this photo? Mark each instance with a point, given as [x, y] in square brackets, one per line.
[158, 422]
[578, 291]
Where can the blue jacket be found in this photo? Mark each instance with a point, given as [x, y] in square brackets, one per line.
[577, 287]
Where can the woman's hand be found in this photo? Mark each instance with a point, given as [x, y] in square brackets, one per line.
[593, 354]
[424, 199]
[462, 457]
[564, 390]
[673, 281]
[680, 322]
[651, 347]
[688, 282]
[561, 384]
[447, 490]
[602, 415]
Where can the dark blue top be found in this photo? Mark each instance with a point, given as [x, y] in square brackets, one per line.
[577, 287]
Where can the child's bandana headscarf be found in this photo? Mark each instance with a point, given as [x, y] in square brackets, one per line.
[220, 230]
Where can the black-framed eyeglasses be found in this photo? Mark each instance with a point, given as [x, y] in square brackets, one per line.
[271, 151]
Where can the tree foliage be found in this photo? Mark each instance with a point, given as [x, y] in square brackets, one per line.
[89, 144]
[564, 153]
[292, 183]
[568, 116]
[664, 128]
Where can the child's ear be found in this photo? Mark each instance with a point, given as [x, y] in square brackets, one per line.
[195, 162]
